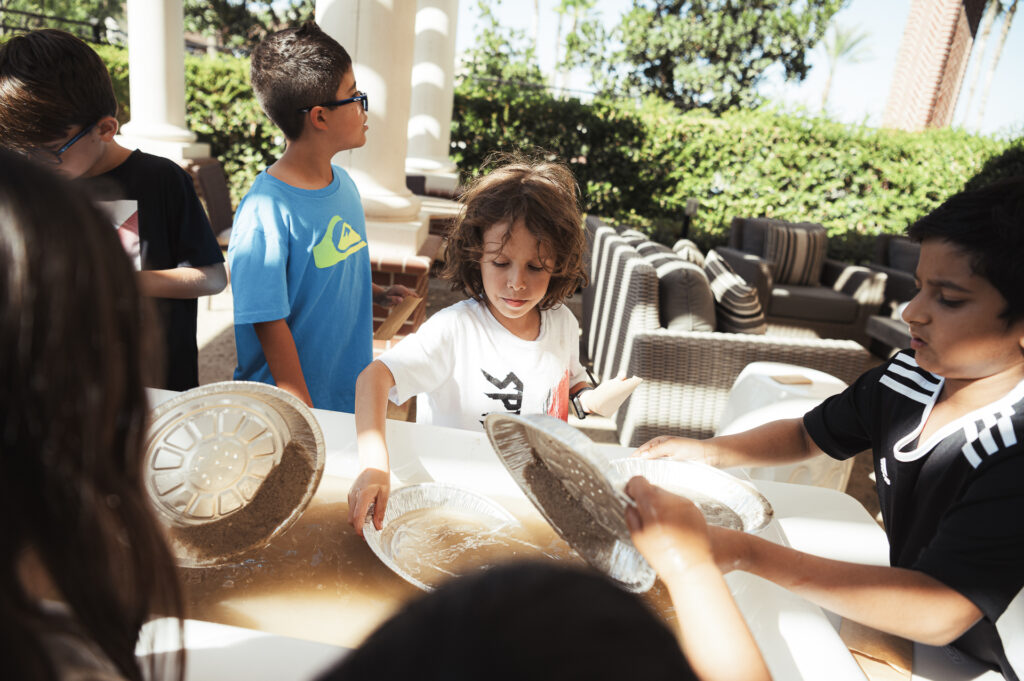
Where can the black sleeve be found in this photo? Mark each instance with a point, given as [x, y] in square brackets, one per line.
[195, 244]
[842, 424]
[978, 549]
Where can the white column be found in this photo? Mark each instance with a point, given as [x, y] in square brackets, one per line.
[156, 81]
[433, 89]
[378, 34]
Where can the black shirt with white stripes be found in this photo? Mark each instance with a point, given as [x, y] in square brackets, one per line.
[953, 506]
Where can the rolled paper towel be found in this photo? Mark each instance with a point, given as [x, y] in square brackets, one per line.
[606, 398]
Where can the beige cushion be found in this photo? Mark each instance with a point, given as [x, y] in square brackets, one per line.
[796, 253]
[737, 307]
[688, 250]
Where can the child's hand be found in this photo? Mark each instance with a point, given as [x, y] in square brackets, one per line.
[391, 296]
[606, 398]
[371, 487]
[668, 530]
[670, 447]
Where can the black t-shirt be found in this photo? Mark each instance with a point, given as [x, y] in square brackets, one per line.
[162, 225]
[953, 507]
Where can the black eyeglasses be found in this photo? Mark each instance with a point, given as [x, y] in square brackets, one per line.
[360, 97]
[54, 157]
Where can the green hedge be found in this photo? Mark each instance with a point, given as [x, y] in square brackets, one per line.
[640, 162]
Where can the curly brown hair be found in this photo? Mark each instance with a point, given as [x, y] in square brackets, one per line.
[540, 192]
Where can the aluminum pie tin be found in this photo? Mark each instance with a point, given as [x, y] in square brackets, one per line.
[209, 451]
[416, 520]
[725, 500]
[575, 490]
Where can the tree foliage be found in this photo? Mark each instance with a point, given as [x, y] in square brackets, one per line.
[706, 54]
[502, 59]
[639, 163]
[74, 16]
[243, 23]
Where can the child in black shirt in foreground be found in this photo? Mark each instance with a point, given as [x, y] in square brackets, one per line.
[945, 422]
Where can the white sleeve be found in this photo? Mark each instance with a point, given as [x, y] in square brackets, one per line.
[422, 361]
[577, 374]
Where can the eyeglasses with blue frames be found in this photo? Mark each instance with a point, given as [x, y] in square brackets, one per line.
[360, 97]
[54, 157]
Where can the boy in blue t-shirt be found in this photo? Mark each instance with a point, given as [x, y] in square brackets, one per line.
[299, 264]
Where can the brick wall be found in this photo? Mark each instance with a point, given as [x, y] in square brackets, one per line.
[929, 71]
[411, 271]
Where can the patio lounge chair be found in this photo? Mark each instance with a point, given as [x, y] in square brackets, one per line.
[835, 301]
[687, 374]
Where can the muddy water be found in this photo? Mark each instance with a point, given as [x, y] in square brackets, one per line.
[433, 545]
[320, 581]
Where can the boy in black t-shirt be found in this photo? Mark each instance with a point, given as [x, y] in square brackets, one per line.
[945, 422]
[57, 106]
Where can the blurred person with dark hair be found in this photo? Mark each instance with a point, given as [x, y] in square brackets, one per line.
[82, 561]
[520, 621]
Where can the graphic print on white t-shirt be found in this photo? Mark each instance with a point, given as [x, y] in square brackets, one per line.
[512, 400]
[124, 215]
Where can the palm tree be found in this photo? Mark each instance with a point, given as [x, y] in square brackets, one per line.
[843, 44]
[991, 12]
[1007, 21]
[576, 9]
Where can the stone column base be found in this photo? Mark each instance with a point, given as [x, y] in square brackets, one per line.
[432, 182]
[396, 238]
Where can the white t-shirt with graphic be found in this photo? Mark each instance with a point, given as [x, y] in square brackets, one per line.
[466, 365]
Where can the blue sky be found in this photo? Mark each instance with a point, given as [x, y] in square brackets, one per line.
[859, 91]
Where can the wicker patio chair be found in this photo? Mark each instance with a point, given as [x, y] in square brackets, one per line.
[687, 375]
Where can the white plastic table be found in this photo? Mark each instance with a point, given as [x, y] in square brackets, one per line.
[797, 638]
[757, 397]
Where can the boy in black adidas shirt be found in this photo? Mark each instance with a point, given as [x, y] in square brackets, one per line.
[945, 421]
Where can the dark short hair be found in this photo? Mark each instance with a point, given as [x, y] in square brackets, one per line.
[521, 621]
[296, 68]
[540, 192]
[50, 81]
[988, 225]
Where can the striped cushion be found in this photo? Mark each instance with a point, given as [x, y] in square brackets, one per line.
[688, 250]
[736, 305]
[796, 253]
[633, 236]
[685, 302]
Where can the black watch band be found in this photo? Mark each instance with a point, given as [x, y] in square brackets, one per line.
[577, 407]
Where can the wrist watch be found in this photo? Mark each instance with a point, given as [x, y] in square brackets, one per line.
[577, 407]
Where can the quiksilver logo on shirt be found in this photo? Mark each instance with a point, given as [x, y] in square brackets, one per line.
[329, 252]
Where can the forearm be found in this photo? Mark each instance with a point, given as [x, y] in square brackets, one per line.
[772, 444]
[372, 388]
[283, 358]
[903, 602]
[712, 631]
[183, 282]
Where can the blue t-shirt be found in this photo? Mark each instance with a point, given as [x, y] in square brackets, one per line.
[301, 255]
